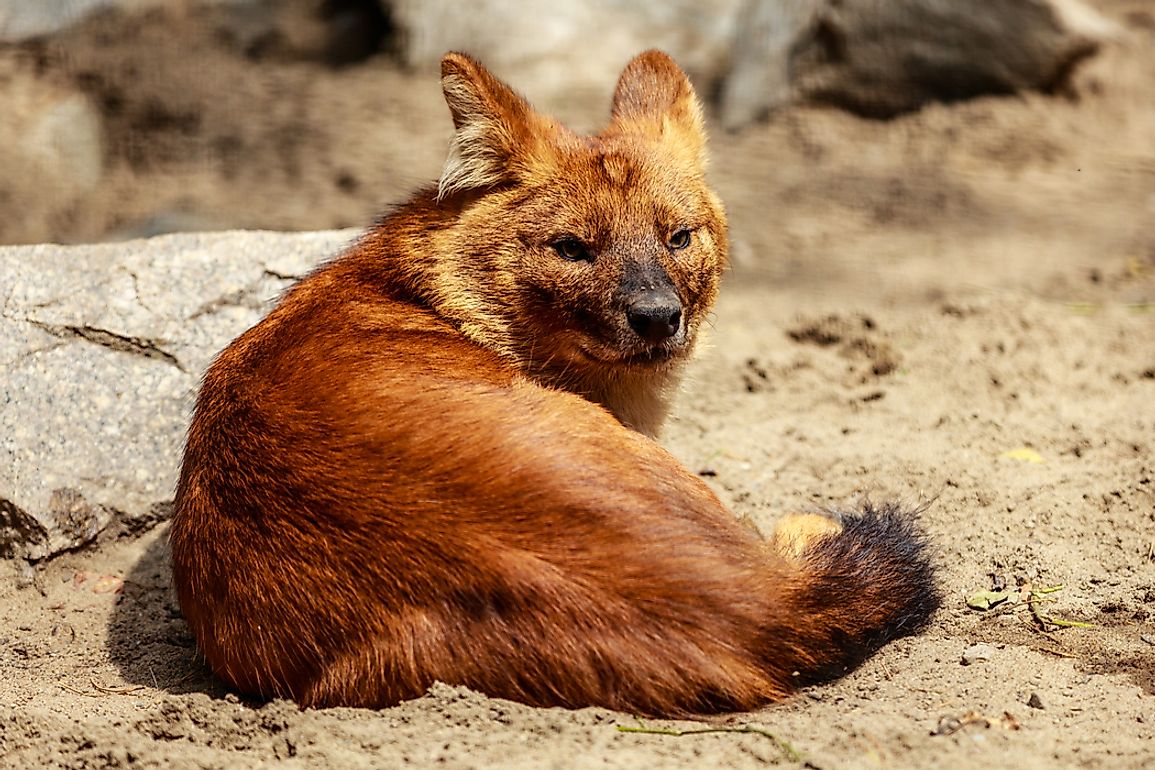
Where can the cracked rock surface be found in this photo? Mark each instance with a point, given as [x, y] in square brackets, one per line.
[101, 351]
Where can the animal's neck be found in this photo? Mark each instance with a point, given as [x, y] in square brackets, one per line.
[640, 399]
[405, 253]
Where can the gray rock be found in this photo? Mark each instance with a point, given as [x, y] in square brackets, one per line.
[977, 653]
[559, 53]
[759, 76]
[884, 57]
[101, 351]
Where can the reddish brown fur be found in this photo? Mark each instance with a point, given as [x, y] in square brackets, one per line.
[428, 462]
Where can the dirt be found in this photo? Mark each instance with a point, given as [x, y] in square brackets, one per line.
[955, 308]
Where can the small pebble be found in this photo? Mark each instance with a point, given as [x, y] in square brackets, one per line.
[1035, 701]
[1147, 638]
[25, 574]
[976, 653]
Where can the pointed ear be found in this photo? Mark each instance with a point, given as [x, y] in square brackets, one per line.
[496, 128]
[654, 93]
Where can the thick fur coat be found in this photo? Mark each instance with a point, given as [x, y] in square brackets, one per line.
[433, 460]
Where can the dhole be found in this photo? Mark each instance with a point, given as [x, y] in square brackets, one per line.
[433, 460]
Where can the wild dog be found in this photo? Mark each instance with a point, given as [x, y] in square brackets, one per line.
[433, 460]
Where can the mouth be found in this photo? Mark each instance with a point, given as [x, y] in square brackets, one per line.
[653, 357]
[624, 349]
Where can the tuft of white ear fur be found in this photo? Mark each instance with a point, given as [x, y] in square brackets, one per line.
[654, 93]
[492, 123]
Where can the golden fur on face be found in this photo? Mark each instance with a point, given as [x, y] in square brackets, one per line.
[525, 185]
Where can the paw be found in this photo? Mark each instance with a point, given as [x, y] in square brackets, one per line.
[796, 533]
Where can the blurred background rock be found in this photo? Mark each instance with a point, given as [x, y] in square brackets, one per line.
[834, 120]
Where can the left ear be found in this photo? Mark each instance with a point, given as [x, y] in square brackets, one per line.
[497, 136]
[654, 94]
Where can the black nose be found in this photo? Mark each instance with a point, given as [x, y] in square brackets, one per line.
[655, 315]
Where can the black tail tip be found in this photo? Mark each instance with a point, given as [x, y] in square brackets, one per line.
[886, 547]
[875, 583]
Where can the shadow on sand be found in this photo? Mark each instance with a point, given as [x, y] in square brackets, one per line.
[147, 636]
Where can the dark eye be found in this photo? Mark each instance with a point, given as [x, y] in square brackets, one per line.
[573, 250]
[680, 240]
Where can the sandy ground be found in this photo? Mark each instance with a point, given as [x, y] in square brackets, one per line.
[956, 307]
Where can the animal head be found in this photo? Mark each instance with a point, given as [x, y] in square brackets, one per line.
[580, 254]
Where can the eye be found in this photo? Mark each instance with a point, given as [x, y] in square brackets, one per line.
[572, 250]
[680, 239]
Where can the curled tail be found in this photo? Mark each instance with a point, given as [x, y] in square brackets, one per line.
[864, 579]
[729, 630]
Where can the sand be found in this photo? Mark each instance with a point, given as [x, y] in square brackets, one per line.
[955, 308]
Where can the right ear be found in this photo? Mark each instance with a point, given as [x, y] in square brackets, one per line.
[497, 132]
[654, 97]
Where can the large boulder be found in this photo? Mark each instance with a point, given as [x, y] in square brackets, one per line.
[884, 57]
[101, 351]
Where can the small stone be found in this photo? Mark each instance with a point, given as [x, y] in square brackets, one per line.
[1035, 701]
[25, 574]
[977, 653]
